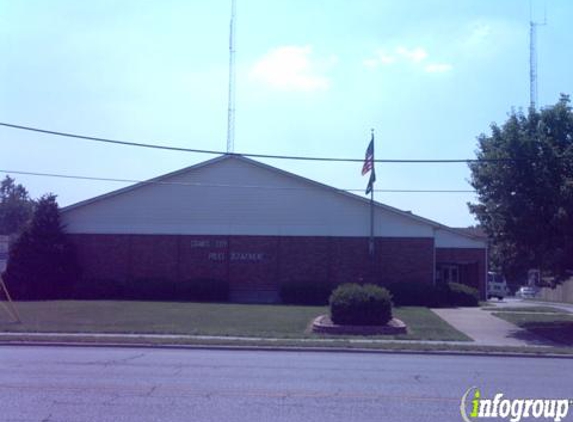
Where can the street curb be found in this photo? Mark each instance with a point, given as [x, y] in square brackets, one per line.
[294, 349]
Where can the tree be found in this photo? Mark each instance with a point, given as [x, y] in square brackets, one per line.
[16, 207]
[525, 198]
[42, 262]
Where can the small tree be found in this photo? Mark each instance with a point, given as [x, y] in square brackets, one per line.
[16, 207]
[42, 262]
[524, 181]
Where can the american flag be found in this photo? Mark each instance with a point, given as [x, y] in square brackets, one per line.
[369, 159]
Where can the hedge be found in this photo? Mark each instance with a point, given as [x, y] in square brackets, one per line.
[305, 292]
[153, 289]
[462, 295]
[426, 294]
[417, 294]
[353, 304]
[203, 290]
[99, 289]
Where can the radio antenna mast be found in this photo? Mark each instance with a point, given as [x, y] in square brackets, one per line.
[231, 109]
[533, 55]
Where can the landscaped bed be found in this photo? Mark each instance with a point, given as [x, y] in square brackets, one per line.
[269, 321]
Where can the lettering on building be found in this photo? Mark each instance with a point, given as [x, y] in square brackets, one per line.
[237, 256]
[216, 256]
[247, 256]
[208, 244]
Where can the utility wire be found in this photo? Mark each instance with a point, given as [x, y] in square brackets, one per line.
[213, 152]
[214, 185]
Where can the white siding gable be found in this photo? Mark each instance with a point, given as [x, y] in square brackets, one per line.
[450, 239]
[237, 196]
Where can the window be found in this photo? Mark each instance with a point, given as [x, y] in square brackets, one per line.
[447, 273]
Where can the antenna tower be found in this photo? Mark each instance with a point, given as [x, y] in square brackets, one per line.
[231, 109]
[533, 55]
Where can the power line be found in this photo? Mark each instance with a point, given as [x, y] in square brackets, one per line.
[218, 185]
[251, 155]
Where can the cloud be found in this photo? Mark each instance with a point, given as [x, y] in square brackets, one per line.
[415, 55]
[476, 42]
[371, 63]
[481, 40]
[401, 55]
[478, 34]
[381, 58]
[385, 58]
[438, 67]
[293, 68]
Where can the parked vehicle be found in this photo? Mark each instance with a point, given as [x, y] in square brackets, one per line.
[526, 292]
[496, 286]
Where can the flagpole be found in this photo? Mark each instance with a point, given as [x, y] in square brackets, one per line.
[372, 224]
[371, 248]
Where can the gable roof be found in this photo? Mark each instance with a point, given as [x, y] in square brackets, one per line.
[163, 179]
[476, 232]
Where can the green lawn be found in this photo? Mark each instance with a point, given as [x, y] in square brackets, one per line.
[423, 324]
[275, 321]
[526, 309]
[557, 327]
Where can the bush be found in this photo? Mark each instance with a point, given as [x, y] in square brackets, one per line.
[417, 294]
[203, 290]
[154, 289]
[426, 294]
[305, 293]
[462, 295]
[132, 289]
[99, 289]
[353, 304]
[149, 288]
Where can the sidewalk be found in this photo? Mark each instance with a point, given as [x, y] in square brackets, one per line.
[488, 330]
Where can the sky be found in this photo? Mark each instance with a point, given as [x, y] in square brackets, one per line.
[313, 77]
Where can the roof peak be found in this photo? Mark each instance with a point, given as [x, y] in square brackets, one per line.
[250, 161]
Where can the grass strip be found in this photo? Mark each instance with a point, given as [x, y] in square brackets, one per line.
[527, 309]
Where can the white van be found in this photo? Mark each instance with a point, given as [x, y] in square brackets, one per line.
[496, 286]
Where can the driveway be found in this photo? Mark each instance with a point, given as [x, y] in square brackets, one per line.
[488, 330]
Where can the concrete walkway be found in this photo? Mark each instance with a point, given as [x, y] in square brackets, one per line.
[488, 330]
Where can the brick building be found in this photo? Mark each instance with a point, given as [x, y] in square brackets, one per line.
[258, 227]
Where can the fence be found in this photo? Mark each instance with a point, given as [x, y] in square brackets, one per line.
[561, 293]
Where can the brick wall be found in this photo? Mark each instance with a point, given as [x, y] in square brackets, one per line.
[255, 266]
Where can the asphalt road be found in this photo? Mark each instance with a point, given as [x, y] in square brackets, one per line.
[123, 384]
